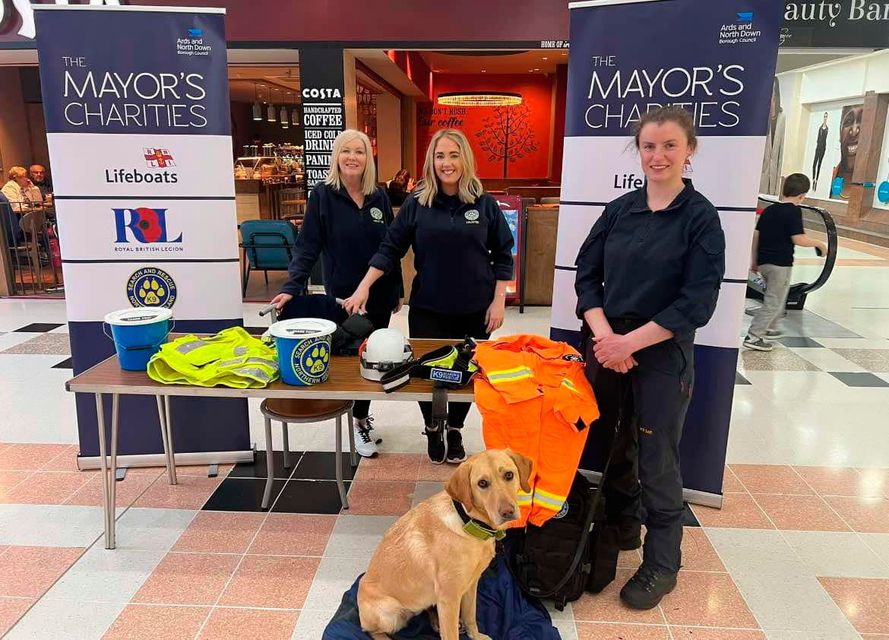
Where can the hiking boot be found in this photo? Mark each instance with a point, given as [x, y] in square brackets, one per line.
[757, 344]
[456, 453]
[435, 446]
[364, 443]
[647, 587]
[629, 534]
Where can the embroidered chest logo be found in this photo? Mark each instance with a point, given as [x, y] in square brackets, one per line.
[376, 215]
[471, 216]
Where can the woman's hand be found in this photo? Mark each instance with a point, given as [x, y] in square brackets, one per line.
[625, 366]
[612, 351]
[399, 306]
[495, 313]
[357, 301]
[280, 300]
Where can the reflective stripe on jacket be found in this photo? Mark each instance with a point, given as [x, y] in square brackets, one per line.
[535, 399]
[231, 358]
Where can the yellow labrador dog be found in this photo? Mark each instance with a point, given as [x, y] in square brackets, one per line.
[435, 554]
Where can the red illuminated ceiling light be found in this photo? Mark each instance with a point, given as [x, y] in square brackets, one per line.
[480, 99]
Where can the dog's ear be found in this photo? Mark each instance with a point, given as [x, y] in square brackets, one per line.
[523, 464]
[459, 487]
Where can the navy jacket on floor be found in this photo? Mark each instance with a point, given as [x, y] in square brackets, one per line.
[504, 613]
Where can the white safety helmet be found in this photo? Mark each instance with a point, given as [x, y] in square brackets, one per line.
[384, 350]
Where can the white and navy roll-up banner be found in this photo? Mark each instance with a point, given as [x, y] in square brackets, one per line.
[716, 59]
[139, 131]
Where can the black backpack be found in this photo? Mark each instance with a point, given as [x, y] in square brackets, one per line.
[571, 553]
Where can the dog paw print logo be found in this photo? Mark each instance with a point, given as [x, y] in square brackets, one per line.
[317, 359]
[471, 216]
[151, 287]
[376, 214]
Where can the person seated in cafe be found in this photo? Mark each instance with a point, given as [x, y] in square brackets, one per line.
[18, 190]
[12, 231]
[37, 173]
[399, 187]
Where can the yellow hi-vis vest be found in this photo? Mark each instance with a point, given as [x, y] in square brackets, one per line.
[231, 358]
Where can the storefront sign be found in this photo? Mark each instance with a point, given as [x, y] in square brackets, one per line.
[720, 69]
[140, 143]
[847, 23]
[323, 108]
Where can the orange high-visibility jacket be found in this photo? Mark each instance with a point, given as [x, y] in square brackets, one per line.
[535, 399]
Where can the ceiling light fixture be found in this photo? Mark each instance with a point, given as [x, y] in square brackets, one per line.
[480, 99]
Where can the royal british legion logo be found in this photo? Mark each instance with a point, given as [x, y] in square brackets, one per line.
[143, 230]
[151, 287]
[158, 158]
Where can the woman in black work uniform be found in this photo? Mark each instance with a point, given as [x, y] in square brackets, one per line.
[347, 217]
[648, 276]
[463, 255]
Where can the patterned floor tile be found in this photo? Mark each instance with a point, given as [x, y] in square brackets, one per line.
[27, 572]
[290, 534]
[271, 582]
[11, 609]
[800, 513]
[29, 457]
[371, 498]
[219, 532]
[188, 579]
[608, 631]
[249, 624]
[707, 600]
[144, 622]
[48, 344]
[191, 493]
[738, 511]
[874, 360]
[780, 479]
[48, 487]
[864, 515]
[775, 360]
[865, 602]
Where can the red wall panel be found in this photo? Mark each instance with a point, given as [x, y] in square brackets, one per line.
[530, 123]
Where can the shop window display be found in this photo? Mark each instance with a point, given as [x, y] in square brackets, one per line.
[832, 146]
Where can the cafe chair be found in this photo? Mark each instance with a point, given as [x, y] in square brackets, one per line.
[33, 224]
[268, 245]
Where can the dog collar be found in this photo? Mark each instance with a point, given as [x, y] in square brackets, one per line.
[475, 528]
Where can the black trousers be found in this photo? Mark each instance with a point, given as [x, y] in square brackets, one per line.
[647, 407]
[379, 321]
[816, 165]
[429, 324]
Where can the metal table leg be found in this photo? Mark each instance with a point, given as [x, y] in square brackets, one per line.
[353, 458]
[109, 510]
[112, 476]
[168, 423]
[162, 419]
[285, 436]
[344, 501]
[269, 461]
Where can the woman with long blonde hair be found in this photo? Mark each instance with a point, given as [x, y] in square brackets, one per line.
[347, 217]
[463, 255]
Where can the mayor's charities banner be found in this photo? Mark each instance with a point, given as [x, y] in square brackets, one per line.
[140, 145]
[716, 59]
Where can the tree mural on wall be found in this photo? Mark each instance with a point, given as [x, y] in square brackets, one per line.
[507, 135]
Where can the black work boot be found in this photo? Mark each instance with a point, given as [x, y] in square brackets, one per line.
[629, 535]
[647, 587]
[456, 453]
[435, 446]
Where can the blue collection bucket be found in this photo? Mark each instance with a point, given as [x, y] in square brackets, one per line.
[138, 334]
[303, 350]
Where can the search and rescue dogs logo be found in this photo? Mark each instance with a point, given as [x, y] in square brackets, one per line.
[309, 360]
[471, 216]
[151, 287]
[376, 214]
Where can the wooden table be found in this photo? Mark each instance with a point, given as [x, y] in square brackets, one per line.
[345, 383]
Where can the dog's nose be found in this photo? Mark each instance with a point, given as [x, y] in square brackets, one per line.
[508, 513]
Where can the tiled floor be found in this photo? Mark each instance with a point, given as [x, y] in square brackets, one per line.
[799, 551]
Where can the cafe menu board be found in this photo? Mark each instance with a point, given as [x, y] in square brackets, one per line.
[323, 108]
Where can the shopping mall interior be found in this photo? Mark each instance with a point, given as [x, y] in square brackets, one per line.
[790, 542]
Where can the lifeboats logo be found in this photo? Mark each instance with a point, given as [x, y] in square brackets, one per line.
[143, 226]
[158, 160]
[9, 9]
[739, 31]
[151, 287]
